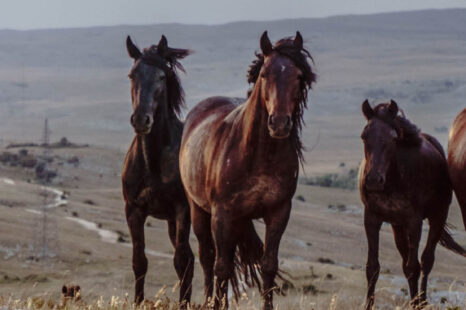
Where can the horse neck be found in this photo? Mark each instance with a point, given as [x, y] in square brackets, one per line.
[160, 137]
[255, 140]
[395, 170]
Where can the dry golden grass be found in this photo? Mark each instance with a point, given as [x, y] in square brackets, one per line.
[161, 301]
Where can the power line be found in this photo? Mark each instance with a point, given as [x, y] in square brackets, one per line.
[46, 244]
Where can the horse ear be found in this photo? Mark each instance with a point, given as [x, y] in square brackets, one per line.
[162, 47]
[298, 40]
[367, 110]
[133, 50]
[64, 289]
[393, 108]
[266, 46]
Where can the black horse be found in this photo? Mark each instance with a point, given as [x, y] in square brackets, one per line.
[151, 178]
[403, 179]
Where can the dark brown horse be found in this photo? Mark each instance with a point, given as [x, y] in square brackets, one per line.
[151, 179]
[403, 180]
[457, 160]
[241, 162]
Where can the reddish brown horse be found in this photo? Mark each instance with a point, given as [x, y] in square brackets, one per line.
[240, 162]
[403, 180]
[457, 160]
[151, 179]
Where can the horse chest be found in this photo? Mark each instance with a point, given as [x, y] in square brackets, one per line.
[169, 169]
[261, 191]
[394, 208]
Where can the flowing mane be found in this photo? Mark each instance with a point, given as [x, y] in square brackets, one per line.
[287, 48]
[409, 134]
[169, 64]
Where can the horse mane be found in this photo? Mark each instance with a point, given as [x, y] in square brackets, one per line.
[169, 64]
[287, 48]
[408, 133]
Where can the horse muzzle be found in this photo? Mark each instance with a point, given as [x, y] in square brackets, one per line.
[142, 123]
[375, 182]
[280, 126]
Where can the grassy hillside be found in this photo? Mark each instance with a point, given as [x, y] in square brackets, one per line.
[78, 79]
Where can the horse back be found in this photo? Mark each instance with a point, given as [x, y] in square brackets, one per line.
[218, 106]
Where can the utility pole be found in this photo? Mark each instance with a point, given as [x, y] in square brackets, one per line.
[46, 230]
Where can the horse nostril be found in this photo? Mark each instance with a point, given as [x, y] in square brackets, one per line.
[368, 179]
[288, 121]
[132, 118]
[270, 120]
[148, 120]
[375, 179]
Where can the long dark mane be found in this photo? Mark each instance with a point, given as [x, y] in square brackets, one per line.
[169, 63]
[408, 133]
[300, 57]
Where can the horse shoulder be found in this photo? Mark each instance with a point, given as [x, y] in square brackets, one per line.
[434, 142]
[432, 154]
[131, 172]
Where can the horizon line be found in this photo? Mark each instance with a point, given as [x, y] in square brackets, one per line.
[228, 22]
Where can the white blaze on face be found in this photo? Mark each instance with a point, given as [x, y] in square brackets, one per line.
[283, 68]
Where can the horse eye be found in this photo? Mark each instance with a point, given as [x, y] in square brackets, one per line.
[262, 75]
[162, 77]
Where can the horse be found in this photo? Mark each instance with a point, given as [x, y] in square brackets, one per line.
[151, 179]
[403, 179]
[457, 160]
[71, 292]
[240, 162]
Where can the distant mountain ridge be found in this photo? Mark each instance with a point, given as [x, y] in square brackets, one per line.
[104, 46]
[78, 77]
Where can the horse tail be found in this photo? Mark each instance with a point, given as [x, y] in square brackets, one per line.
[447, 241]
[249, 253]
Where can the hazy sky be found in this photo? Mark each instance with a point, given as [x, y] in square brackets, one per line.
[31, 14]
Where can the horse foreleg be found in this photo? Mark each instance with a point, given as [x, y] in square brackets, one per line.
[225, 238]
[276, 221]
[372, 226]
[201, 227]
[184, 258]
[136, 218]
